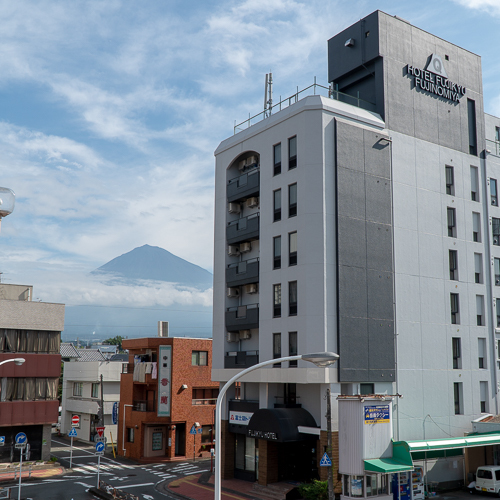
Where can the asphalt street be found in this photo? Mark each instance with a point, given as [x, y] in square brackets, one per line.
[139, 480]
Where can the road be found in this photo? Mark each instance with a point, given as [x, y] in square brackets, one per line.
[139, 480]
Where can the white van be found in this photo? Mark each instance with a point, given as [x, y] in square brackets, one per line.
[488, 479]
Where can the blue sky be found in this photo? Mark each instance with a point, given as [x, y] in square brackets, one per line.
[110, 113]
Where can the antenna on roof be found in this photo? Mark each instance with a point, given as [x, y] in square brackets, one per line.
[268, 95]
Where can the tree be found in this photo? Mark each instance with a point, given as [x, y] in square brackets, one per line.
[115, 341]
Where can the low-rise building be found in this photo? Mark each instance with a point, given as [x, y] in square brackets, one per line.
[166, 394]
[28, 394]
[90, 378]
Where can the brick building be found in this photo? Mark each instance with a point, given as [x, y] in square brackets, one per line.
[166, 390]
[28, 394]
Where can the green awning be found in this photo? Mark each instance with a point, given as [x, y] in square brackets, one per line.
[450, 443]
[386, 466]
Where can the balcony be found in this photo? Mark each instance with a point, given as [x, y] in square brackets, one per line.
[244, 186]
[244, 229]
[241, 359]
[142, 405]
[243, 273]
[242, 318]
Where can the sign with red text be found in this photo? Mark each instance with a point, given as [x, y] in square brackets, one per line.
[164, 375]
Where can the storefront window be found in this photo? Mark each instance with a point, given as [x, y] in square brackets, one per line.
[245, 453]
[371, 485]
[157, 441]
[357, 486]
[345, 486]
[250, 454]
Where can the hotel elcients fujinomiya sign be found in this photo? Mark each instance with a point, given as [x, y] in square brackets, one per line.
[434, 79]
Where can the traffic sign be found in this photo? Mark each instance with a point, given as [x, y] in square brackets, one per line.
[100, 431]
[21, 440]
[100, 439]
[99, 448]
[193, 430]
[72, 433]
[75, 421]
[2, 440]
[199, 430]
[325, 461]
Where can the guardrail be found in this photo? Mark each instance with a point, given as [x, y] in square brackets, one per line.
[8, 474]
[115, 492]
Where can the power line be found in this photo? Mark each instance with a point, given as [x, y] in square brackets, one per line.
[140, 308]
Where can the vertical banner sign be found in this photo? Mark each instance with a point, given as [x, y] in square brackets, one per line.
[164, 375]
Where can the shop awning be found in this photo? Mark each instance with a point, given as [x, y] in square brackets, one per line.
[386, 466]
[281, 424]
[450, 443]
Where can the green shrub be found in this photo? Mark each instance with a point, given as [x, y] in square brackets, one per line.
[317, 490]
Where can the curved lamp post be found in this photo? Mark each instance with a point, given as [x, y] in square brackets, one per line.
[320, 359]
[7, 202]
[17, 361]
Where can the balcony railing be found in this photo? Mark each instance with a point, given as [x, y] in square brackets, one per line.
[241, 359]
[244, 186]
[210, 401]
[242, 318]
[244, 229]
[243, 273]
[142, 405]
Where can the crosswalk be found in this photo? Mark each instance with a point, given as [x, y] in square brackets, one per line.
[91, 467]
[182, 469]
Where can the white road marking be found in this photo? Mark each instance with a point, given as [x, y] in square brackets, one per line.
[135, 485]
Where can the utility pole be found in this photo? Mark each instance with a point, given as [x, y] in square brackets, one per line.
[101, 415]
[331, 494]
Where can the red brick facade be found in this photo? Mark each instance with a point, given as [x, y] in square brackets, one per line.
[170, 435]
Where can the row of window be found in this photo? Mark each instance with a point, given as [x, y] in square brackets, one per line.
[458, 397]
[292, 202]
[28, 389]
[292, 299]
[30, 341]
[476, 224]
[474, 182]
[292, 250]
[205, 395]
[456, 345]
[292, 348]
[78, 389]
[292, 155]
[455, 309]
[478, 266]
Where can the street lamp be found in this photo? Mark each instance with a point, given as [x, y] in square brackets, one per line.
[17, 361]
[320, 359]
[7, 201]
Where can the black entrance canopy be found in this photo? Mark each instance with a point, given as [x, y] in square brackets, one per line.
[281, 425]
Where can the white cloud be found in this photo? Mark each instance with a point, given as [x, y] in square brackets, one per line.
[491, 6]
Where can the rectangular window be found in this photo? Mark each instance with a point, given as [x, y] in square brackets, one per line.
[497, 304]
[130, 434]
[277, 158]
[292, 200]
[77, 388]
[497, 271]
[481, 352]
[292, 298]
[483, 396]
[478, 268]
[495, 228]
[457, 353]
[199, 358]
[455, 314]
[292, 152]
[458, 398]
[497, 134]
[277, 205]
[480, 310]
[493, 192]
[474, 184]
[95, 390]
[366, 389]
[451, 216]
[453, 259]
[471, 119]
[292, 348]
[277, 252]
[450, 181]
[277, 348]
[292, 249]
[277, 301]
[476, 226]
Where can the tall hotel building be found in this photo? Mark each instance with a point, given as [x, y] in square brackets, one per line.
[367, 224]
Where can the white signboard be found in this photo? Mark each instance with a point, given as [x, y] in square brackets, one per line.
[164, 375]
[239, 417]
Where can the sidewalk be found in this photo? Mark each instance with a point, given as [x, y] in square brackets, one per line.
[42, 470]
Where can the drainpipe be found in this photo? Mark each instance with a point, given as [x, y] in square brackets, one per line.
[123, 434]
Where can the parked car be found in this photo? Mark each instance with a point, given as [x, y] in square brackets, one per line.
[488, 479]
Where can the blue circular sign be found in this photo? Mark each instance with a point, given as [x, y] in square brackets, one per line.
[99, 446]
[21, 438]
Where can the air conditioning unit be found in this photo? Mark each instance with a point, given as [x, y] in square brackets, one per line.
[234, 208]
[233, 250]
[232, 337]
[251, 160]
[252, 288]
[253, 202]
[245, 247]
[242, 164]
[245, 334]
[233, 292]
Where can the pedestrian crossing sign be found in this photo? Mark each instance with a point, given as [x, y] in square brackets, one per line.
[325, 461]
[72, 433]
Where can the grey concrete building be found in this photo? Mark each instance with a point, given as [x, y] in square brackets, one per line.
[365, 223]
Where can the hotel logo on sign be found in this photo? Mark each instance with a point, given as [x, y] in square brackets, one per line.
[433, 79]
